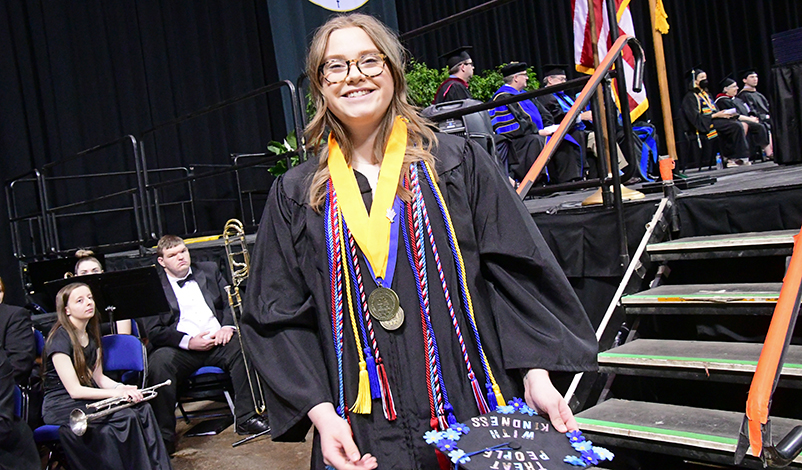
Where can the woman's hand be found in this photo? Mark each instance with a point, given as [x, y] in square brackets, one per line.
[541, 395]
[336, 443]
[130, 392]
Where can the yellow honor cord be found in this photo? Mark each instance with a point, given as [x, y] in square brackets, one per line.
[362, 404]
[496, 388]
[371, 232]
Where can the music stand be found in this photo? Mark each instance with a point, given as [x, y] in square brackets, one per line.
[121, 295]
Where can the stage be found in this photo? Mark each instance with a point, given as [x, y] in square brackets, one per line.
[751, 198]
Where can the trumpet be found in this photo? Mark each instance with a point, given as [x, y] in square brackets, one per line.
[239, 265]
[79, 421]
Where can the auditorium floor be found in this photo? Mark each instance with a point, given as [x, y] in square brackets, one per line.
[216, 453]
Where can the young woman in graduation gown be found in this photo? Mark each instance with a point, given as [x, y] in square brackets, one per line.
[480, 323]
[73, 378]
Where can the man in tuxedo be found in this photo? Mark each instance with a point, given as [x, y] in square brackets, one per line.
[198, 331]
[16, 340]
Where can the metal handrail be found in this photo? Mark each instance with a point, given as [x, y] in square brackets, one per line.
[582, 100]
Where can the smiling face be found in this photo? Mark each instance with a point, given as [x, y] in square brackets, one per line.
[80, 306]
[359, 102]
[176, 261]
[731, 90]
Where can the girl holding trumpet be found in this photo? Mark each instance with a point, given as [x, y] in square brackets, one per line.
[73, 378]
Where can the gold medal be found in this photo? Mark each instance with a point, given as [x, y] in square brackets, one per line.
[383, 304]
[395, 322]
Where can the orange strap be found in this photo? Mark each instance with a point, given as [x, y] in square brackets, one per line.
[757, 406]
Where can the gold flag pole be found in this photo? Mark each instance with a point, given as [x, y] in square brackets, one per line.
[658, 29]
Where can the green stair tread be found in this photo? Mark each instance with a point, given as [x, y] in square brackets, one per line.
[756, 240]
[706, 355]
[682, 425]
[764, 292]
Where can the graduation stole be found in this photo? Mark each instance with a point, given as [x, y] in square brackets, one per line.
[341, 241]
[706, 107]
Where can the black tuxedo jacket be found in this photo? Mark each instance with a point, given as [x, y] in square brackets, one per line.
[161, 329]
[16, 339]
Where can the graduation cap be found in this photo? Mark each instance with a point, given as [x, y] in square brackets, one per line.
[746, 72]
[512, 68]
[514, 436]
[456, 56]
[726, 82]
[554, 69]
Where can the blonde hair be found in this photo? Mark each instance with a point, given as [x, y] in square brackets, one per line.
[421, 137]
[82, 369]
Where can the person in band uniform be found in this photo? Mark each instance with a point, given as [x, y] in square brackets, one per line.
[196, 332]
[361, 377]
[73, 378]
[88, 264]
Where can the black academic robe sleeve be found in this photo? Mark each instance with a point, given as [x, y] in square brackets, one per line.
[552, 106]
[695, 120]
[292, 361]
[538, 317]
[16, 338]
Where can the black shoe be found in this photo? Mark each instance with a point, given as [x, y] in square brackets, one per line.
[254, 425]
[170, 446]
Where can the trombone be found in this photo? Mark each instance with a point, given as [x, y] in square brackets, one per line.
[239, 265]
[79, 421]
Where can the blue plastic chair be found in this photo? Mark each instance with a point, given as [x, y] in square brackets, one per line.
[46, 435]
[126, 354]
[206, 383]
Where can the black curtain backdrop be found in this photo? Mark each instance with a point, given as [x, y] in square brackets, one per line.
[77, 74]
[723, 36]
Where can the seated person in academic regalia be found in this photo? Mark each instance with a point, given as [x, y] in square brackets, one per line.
[558, 105]
[757, 134]
[528, 125]
[460, 71]
[757, 103]
[707, 122]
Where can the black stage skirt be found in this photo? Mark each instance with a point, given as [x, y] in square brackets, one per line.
[126, 439]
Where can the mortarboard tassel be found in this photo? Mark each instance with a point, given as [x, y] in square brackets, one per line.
[375, 388]
[362, 404]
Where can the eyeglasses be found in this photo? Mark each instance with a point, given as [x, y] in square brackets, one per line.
[369, 65]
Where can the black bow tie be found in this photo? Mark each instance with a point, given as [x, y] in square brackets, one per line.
[181, 282]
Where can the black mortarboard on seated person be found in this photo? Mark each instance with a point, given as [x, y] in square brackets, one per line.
[554, 69]
[512, 68]
[456, 56]
[745, 73]
[690, 75]
[727, 81]
[514, 434]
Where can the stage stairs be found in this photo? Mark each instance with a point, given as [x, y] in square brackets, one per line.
[676, 385]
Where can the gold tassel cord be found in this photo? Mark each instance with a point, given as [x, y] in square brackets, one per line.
[363, 403]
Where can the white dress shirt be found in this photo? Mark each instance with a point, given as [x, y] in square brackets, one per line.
[195, 315]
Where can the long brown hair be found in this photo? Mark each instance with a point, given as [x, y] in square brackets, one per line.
[82, 370]
[421, 137]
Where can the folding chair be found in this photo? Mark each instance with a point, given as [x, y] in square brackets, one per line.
[46, 435]
[206, 383]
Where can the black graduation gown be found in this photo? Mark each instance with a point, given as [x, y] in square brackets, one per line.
[758, 104]
[757, 134]
[557, 112]
[527, 313]
[126, 439]
[452, 89]
[730, 133]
